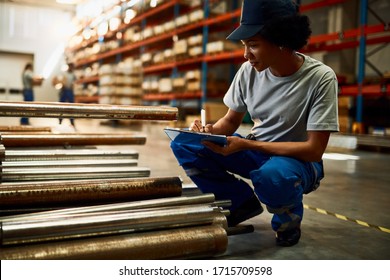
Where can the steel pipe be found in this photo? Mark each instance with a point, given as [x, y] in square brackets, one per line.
[82, 192]
[48, 140]
[49, 164]
[62, 173]
[24, 128]
[132, 205]
[107, 223]
[91, 111]
[181, 243]
[67, 154]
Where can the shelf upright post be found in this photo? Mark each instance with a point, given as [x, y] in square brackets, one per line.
[142, 47]
[206, 9]
[232, 68]
[118, 57]
[358, 126]
[175, 72]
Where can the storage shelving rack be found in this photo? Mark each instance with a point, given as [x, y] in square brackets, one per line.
[344, 39]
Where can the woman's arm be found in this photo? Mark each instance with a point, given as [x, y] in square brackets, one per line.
[227, 125]
[310, 150]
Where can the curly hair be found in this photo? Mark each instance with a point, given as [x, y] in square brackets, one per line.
[291, 32]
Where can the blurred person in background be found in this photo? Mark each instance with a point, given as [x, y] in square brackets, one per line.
[65, 83]
[29, 80]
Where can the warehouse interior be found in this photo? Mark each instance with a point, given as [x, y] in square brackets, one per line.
[172, 54]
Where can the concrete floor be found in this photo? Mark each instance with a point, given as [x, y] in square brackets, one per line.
[342, 218]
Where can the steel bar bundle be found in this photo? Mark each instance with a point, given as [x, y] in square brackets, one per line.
[47, 139]
[132, 205]
[91, 111]
[106, 223]
[79, 192]
[10, 155]
[187, 242]
[164, 228]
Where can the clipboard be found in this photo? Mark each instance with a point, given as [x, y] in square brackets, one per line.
[194, 138]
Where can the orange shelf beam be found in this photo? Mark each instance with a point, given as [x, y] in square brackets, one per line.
[86, 99]
[344, 45]
[373, 90]
[319, 4]
[171, 96]
[352, 33]
[88, 80]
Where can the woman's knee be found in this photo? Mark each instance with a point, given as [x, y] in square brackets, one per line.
[185, 153]
[277, 183]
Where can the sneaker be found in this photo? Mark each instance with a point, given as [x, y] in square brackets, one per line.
[289, 237]
[247, 210]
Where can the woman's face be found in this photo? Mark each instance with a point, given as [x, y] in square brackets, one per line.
[260, 53]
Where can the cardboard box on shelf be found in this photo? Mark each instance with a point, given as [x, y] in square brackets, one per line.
[345, 124]
[220, 46]
[346, 101]
[190, 119]
[193, 85]
[165, 85]
[195, 51]
[214, 111]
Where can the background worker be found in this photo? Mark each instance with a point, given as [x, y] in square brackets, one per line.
[67, 92]
[292, 100]
[29, 80]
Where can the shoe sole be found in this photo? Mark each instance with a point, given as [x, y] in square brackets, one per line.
[246, 217]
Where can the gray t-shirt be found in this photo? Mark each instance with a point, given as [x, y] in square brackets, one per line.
[285, 108]
[27, 79]
[69, 78]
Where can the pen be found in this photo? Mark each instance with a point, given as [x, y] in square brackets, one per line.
[203, 118]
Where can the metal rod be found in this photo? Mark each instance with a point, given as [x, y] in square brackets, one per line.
[91, 111]
[47, 140]
[67, 163]
[67, 154]
[190, 242]
[86, 191]
[62, 173]
[25, 128]
[133, 205]
[106, 223]
[223, 203]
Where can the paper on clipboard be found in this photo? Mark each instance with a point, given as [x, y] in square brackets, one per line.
[194, 138]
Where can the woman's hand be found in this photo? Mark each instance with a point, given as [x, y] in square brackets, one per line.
[197, 126]
[234, 144]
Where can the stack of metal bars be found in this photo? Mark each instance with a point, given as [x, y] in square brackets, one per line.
[45, 217]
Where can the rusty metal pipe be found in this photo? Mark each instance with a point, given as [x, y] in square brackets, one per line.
[80, 192]
[67, 154]
[48, 140]
[91, 111]
[24, 128]
[133, 205]
[106, 223]
[181, 243]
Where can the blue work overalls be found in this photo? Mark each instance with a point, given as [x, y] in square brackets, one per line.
[28, 95]
[67, 95]
[279, 182]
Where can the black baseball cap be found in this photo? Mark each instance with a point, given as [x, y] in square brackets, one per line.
[255, 13]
